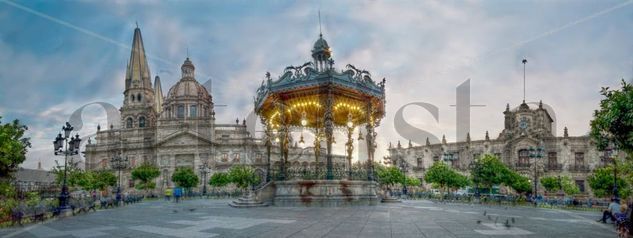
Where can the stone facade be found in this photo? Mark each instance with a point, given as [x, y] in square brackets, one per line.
[179, 130]
[524, 127]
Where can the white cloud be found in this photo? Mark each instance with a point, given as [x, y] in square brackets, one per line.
[424, 50]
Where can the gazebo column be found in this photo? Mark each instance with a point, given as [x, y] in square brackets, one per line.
[268, 145]
[329, 133]
[283, 141]
[350, 149]
[317, 150]
[370, 142]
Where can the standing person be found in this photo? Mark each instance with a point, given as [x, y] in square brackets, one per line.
[613, 208]
[125, 196]
[168, 193]
[177, 194]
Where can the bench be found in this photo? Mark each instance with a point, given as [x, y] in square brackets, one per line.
[82, 205]
[33, 213]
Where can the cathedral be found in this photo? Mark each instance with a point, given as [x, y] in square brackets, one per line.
[179, 130]
[525, 127]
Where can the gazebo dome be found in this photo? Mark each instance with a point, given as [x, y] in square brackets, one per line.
[321, 53]
[320, 45]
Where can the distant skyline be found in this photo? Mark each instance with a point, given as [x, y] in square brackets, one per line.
[58, 56]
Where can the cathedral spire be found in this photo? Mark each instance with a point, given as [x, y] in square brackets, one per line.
[158, 95]
[137, 74]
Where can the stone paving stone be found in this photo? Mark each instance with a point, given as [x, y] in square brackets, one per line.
[432, 233]
[214, 218]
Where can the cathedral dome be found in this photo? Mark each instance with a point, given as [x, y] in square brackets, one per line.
[188, 86]
[187, 98]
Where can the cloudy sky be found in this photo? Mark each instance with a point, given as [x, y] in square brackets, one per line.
[58, 56]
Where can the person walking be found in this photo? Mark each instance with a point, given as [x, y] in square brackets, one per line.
[168, 193]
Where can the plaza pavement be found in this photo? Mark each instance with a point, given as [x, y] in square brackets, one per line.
[418, 218]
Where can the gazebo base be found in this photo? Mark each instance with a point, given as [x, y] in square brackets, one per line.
[325, 193]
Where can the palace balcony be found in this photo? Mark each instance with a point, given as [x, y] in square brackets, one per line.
[419, 168]
[553, 167]
[582, 168]
[520, 166]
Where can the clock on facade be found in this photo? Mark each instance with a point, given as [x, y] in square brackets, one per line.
[524, 123]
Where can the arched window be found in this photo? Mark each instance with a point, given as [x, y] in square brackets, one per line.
[524, 158]
[180, 113]
[132, 97]
[141, 122]
[193, 111]
[138, 97]
[129, 123]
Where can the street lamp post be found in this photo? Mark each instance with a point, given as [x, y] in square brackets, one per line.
[536, 154]
[118, 163]
[204, 171]
[474, 167]
[71, 148]
[609, 155]
[403, 167]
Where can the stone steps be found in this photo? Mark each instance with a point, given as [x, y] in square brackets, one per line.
[391, 200]
[246, 202]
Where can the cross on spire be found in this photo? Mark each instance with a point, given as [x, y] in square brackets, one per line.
[524, 63]
[320, 32]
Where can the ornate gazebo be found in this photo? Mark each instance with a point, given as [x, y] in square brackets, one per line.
[318, 98]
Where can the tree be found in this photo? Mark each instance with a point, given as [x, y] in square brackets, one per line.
[145, 173]
[550, 183]
[413, 181]
[519, 183]
[92, 180]
[85, 180]
[613, 122]
[8, 198]
[459, 180]
[185, 177]
[489, 171]
[569, 186]
[219, 179]
[13, 147]
[555, 183]
[73, 172]
[104, 179]
[601, 182]
[243, 176]
[444, 177]
[389, 176]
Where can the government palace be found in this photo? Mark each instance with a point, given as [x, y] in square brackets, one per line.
[525, 127]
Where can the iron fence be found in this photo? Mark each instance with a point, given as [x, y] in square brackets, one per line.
[313, 173]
